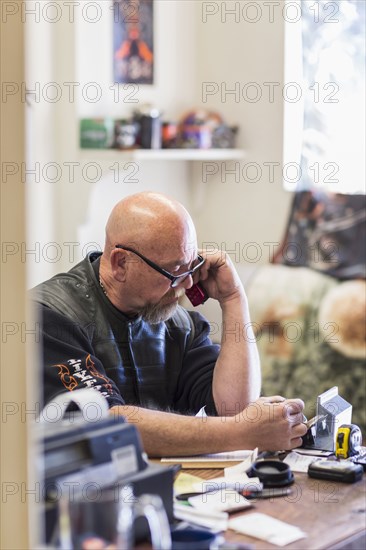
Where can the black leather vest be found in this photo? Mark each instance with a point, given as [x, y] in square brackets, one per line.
[144, 360]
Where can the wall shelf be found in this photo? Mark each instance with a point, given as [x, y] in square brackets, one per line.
[163, 154]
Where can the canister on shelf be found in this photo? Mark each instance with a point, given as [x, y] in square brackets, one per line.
[149, 120]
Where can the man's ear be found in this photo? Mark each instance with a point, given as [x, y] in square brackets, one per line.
[118, 264]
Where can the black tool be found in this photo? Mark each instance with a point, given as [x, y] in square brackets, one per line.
[336, 470]
[272, 473]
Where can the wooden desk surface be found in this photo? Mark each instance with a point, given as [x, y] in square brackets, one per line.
[332, 514]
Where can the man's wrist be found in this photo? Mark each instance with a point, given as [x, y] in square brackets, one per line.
[235, 299]
[233, 433]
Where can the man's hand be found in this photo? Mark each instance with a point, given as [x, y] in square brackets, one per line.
[219, 276]
[272, 423]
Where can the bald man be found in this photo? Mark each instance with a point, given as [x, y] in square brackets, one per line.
[113, 323]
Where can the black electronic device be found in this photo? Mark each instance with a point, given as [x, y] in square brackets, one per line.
[359, 458]
[74, 445]
[335, 470]
[104, 453]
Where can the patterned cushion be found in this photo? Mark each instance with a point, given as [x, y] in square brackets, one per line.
[302, 352]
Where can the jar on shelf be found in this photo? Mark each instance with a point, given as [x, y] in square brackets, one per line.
[169, 134]
[125, 134]
[149, 120]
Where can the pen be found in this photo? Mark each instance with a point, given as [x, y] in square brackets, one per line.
[186, 496]
[266, 493]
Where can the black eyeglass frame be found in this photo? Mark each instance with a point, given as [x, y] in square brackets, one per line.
[175, 280]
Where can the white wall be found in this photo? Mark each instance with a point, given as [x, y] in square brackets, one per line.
[174, 70]
[189, 51]
[82, 52]
[232, 53]
[40, 122]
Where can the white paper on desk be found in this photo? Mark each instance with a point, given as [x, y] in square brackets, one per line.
[220, 501]
[264, 527]
[300, 463]
[234, 471]
[314, 452]
[239, 483]
[213, 520]
[230, 456]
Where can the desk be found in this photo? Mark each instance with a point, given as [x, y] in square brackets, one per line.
[332, 514]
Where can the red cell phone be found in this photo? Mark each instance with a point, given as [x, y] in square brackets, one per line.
[197, 294]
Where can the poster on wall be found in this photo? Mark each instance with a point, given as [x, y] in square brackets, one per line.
[133, 45]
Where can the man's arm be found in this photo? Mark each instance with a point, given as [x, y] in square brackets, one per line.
[237, 378]
[268, 425]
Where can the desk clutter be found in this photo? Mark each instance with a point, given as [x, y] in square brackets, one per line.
[238, 490]
[211, 510]
[101, 491]
[331, 451]
[214, 503]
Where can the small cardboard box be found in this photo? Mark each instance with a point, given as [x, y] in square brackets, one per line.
[333, 411]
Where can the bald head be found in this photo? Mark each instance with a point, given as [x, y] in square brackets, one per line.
[145, 219]
[161, 230]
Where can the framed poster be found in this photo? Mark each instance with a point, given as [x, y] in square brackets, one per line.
[133, 44]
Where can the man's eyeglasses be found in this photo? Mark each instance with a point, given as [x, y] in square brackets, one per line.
[175, 280]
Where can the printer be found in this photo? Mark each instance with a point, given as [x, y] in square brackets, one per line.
[106, 453]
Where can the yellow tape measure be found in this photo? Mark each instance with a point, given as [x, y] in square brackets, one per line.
[348, 441]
